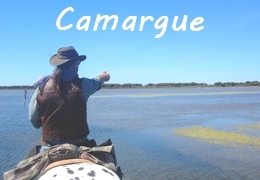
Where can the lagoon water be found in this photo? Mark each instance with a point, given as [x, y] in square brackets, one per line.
[197, 133]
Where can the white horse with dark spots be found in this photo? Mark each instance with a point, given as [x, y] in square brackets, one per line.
[79, 171]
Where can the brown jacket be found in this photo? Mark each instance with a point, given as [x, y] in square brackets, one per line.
[63, 115]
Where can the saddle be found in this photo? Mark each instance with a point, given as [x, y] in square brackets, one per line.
[33, 167]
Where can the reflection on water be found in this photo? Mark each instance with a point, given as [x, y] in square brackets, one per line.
[141, 123]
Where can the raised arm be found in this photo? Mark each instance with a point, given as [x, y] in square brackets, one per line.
[104, 77]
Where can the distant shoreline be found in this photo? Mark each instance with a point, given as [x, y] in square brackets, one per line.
[158, 85]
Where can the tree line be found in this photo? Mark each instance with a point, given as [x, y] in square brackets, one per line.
[162, 85]
[177, 85]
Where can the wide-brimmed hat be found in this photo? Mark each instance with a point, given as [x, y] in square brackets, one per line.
[64, 55]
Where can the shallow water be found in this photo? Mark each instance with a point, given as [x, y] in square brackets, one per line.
[210, 133]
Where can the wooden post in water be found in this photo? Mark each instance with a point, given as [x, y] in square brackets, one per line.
[25, 94]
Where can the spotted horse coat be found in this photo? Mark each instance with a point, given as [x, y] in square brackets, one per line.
[99, 156]
[79, 171]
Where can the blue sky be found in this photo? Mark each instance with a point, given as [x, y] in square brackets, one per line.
[227, 49]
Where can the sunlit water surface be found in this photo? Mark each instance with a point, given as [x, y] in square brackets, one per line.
[211, 133]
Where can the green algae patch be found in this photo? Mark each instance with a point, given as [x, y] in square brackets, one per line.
[249, 127]
[220, 137]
